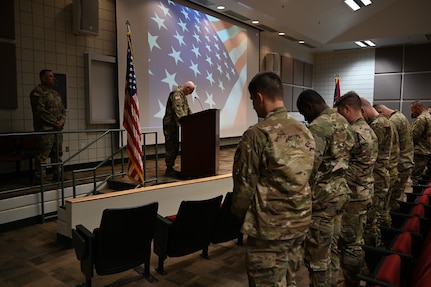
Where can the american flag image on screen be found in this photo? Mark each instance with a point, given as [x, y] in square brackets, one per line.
[185, 44]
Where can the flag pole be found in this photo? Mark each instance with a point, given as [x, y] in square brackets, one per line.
[131, 118]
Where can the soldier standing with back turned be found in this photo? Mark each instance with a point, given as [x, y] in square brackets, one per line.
[361, 182]
[271, 194]
[330, 191]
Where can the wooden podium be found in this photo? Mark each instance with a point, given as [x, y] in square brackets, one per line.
[200, 144]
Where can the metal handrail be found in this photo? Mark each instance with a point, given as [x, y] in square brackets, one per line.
[94, 170]
[94, 176]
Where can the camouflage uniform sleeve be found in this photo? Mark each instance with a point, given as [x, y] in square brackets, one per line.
[39, 109]
[180, 105]
[418, 128]
[319, 152]
[62, 110]
[245, 174]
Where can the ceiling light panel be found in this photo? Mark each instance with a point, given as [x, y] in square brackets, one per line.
[360, 44]
[366, 2]
[352, 4]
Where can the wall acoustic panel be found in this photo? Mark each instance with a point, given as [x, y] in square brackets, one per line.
[286, 70]
[288, 97]
[387, 87]
[308, 75]
[417, 58]
[417, 86]
[8, 80]
[298, 72]
[389, 60]
[296, 92]
[7, 19]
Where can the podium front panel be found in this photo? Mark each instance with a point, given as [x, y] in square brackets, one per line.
[200, 144]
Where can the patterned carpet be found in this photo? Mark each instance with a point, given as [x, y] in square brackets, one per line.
[31, 256]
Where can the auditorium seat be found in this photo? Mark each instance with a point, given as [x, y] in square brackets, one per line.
[423, 263]
[227, 226]
[10, 151]
[423, 198]
[186, 232]
[122, 242]
[410, 223]
[387, 270]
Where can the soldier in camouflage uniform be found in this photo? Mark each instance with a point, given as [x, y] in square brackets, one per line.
[393, 175]
[360, 179]
[405, 162]
[377, 214]
[271, 194]
[330, 192]
[176, 108]
[421, 133]
[49, 115]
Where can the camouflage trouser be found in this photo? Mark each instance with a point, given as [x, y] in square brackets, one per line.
[172, 144]
[393, 195]
[321, 253]
[49, 146]
[273, 262]
[376, 215]
[351, 239]
[421, 162]
[398, 189]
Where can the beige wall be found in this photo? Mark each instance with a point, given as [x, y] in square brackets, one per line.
[44, 39]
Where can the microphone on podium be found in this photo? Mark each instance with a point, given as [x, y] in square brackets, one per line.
[196, 97]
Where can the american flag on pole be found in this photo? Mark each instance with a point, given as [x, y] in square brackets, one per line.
[337, 93]
[131, 118]
[194, 46]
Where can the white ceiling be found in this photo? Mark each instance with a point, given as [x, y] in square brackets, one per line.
[331, 25]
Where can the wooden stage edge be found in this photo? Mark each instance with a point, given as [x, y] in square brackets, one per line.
[88, 210]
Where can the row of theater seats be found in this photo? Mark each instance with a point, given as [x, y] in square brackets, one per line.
[405, 261]
[123, 239]
[15, 149]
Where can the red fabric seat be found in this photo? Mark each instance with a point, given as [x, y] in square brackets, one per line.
[418, 210]
[424, 199]
[390, 270]
[403, 243]
[412, 225]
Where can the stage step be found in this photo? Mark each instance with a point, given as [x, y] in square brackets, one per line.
[120, 183]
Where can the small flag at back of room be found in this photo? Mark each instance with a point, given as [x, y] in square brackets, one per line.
[337, 93]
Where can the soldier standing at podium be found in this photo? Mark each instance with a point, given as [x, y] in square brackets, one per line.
[176, 108]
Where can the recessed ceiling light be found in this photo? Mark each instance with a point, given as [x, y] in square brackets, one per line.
[281, 33]
[360, 44]
[352, 4]
[366, 2]
[255, 21]
[370, 43]
[221, 7]
[301, 42]
[365, 43]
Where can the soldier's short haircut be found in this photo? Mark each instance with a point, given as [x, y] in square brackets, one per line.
[365, 102]
[43, 72]
[350, 98]
[417, 103]
[309, 97]
[379, 106]
[268, 84]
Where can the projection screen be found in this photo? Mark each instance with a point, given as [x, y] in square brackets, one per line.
[174, 42]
